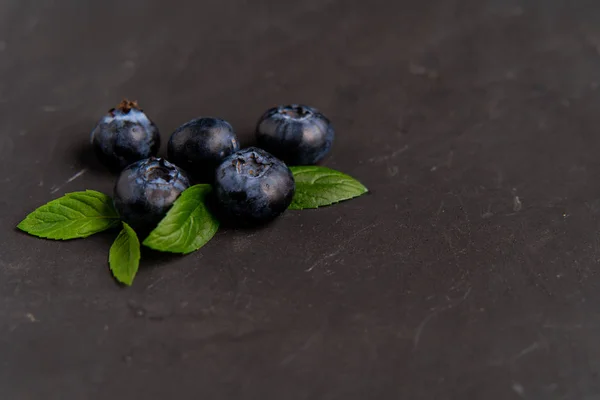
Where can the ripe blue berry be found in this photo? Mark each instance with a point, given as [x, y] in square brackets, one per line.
[252, 186]
[146, 190]
[200, 145]
[125, 135]
[297, 134]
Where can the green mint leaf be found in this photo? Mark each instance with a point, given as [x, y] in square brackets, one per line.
[75, 215]
[124, 256]
[187, 226]
[319, 186]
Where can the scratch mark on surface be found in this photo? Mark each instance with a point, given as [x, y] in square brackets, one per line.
[437, 214]
[49, 109]
[488, 213]
[304, 347]
[519, 389]
[517, 205]
[150, 286]
[467, 293]
[341, 248]
[420, 70]
[527, 350]
[71, 179]
[389, 156]
[421, 326]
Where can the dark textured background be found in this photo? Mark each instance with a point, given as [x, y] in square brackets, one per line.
[469, 272]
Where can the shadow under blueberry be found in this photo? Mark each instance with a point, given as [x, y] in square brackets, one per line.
[228, 222]
[199, 178]
[80, 150]
[246, 137]
[85, 157]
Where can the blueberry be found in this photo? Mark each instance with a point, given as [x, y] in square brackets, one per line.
[146, 190]
[252, 186]
[125, 135]
[297, 134]
[200, 145]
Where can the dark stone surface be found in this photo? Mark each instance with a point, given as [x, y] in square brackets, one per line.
[469, 272]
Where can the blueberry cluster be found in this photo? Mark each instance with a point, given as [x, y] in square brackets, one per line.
[252, 185]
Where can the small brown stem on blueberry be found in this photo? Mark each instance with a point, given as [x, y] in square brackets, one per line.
[125, 106]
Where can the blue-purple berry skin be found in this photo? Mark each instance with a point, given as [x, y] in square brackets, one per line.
[297, 134]
[200, 145]
[146, 190]
[252, 186]
[125, 135]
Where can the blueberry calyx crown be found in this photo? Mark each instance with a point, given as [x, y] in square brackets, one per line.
[159, 170]
[294, 111]
[125, 106]
[254, 166]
